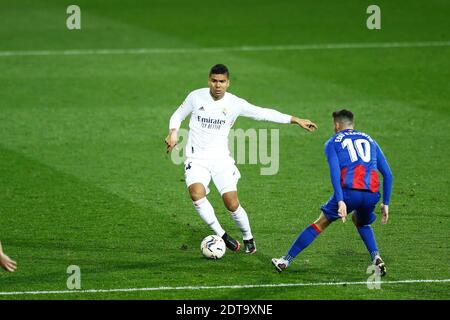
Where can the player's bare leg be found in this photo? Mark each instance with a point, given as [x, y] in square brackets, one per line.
[322, 222]
[355, 220]
[305, 238]
[239, 215]
[197, 191]
[231, 201]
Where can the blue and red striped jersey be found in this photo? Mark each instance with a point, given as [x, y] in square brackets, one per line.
[355, 159]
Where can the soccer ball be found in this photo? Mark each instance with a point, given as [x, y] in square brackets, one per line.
[213, 247]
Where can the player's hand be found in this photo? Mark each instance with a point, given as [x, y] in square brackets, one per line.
[6, 263]
[385, 213]
[304, 123]
[342, 210]
[171, 140]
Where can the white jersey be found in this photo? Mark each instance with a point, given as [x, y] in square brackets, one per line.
[212, 120]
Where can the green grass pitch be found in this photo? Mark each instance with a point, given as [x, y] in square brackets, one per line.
[85, 180]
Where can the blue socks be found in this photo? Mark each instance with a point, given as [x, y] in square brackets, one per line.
[311, 232]
[367, 235]
[304, 239]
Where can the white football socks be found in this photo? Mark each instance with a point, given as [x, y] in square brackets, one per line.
[206, 212]
[241, 219]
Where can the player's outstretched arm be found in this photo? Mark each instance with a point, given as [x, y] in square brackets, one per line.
[266, 114]
[304, 123]
[6, 263]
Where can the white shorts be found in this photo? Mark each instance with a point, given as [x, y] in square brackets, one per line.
[224, 173]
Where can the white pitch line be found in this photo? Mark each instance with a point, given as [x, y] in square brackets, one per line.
[250, 286]
[299, 47]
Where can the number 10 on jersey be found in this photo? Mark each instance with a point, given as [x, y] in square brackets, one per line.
[358, 147]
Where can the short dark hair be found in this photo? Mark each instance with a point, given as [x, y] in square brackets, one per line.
[343, 116]
[219, 69]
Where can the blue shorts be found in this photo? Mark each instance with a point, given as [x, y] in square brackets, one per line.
[362, 202]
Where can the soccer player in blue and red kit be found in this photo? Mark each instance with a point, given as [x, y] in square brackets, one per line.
[354, 159]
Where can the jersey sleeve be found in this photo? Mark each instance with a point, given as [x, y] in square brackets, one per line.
[181, 113]
[335, 172]
[263, 114]
[385, 170]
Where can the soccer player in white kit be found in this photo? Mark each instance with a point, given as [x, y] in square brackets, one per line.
[213, 112]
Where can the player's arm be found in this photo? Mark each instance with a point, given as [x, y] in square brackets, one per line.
[385, 170]
[5, 262]
[304, 123]
[175, 122]
[266, 114]
[335, 175]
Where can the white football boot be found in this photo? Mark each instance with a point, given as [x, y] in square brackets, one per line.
[280, 264]
[379, 264]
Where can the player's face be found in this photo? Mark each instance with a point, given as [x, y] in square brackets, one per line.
[218, 85]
